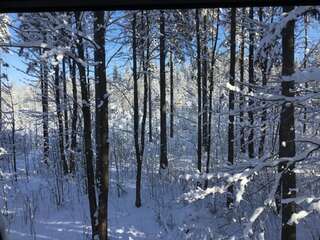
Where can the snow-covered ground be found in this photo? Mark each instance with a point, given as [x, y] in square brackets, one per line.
[32, 211]
[36, 208]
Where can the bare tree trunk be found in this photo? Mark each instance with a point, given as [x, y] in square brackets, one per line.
[13, 137]
[74, 117]
[139, 147]
[102, 144]
[205, 85]
[305, 66]
[251, 84]
[264, 112]
[171, 96]
[136, 112]
[45, 112]
[231, 100]
[163, 110]
[241, 98]
[199, 150]
[145, 99]
[60, 120]
[213, 60]
[87, 133]
[150, 80]
[287, 146]
[65, 106]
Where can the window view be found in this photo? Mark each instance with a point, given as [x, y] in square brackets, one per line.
[160, 124]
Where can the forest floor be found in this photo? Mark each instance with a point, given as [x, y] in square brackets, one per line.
[35, 209]
[32, 211]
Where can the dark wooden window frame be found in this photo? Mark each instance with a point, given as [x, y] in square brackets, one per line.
[91, 5]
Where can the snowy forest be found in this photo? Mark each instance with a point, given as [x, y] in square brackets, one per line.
[160, 124]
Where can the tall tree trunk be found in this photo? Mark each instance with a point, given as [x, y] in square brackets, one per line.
[65, 105]
[149, 78]
[241, 98]
[139, 147]
[13, 132]
[45, 111]
[264, 112]
[136, 112]
[205, 84]
[213, 60]
[87, 133]
[74, 117]
[251, 84]
[199, 150]
[231, 100]
[305, 66]
[287, 148]
[63, 160]
[102, 145]
[145, 104]
[171, 96]
[163, 109]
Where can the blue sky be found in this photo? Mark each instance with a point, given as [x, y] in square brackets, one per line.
[15, 62]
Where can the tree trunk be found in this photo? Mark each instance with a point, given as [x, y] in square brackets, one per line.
[305, 66]
[149, 77]
[102, 145]
[251, 84]
[205, 85]
[163, 110]
[87, 133]
[171, 96]
[145, 103]
[13, 138]
[287, 146]
[65, 106]
[74, 118]
[213, 60]
[199, 150]
[136, 112]
[264, 112]
[45, 117]
[231, 100]
[60, 120]
[241, 98]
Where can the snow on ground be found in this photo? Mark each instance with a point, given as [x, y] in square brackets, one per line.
[34, 209]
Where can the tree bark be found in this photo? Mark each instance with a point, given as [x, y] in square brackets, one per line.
[264, 112]
[231, 100]
[205, 85]
[45, 112]
[136, 112]
[149, 78]
[87, 133]
[63, 160]
[241, 98]
[74, 117]
[102, 145]
[251, 84]
[305, 19]
[163, 109]
[171, 96]
[199, 150]
[287, 146]
[213, 60]
[65, 106]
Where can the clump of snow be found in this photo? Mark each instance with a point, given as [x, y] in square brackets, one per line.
[296, 217]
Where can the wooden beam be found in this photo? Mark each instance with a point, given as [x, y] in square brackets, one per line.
[82, 5]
